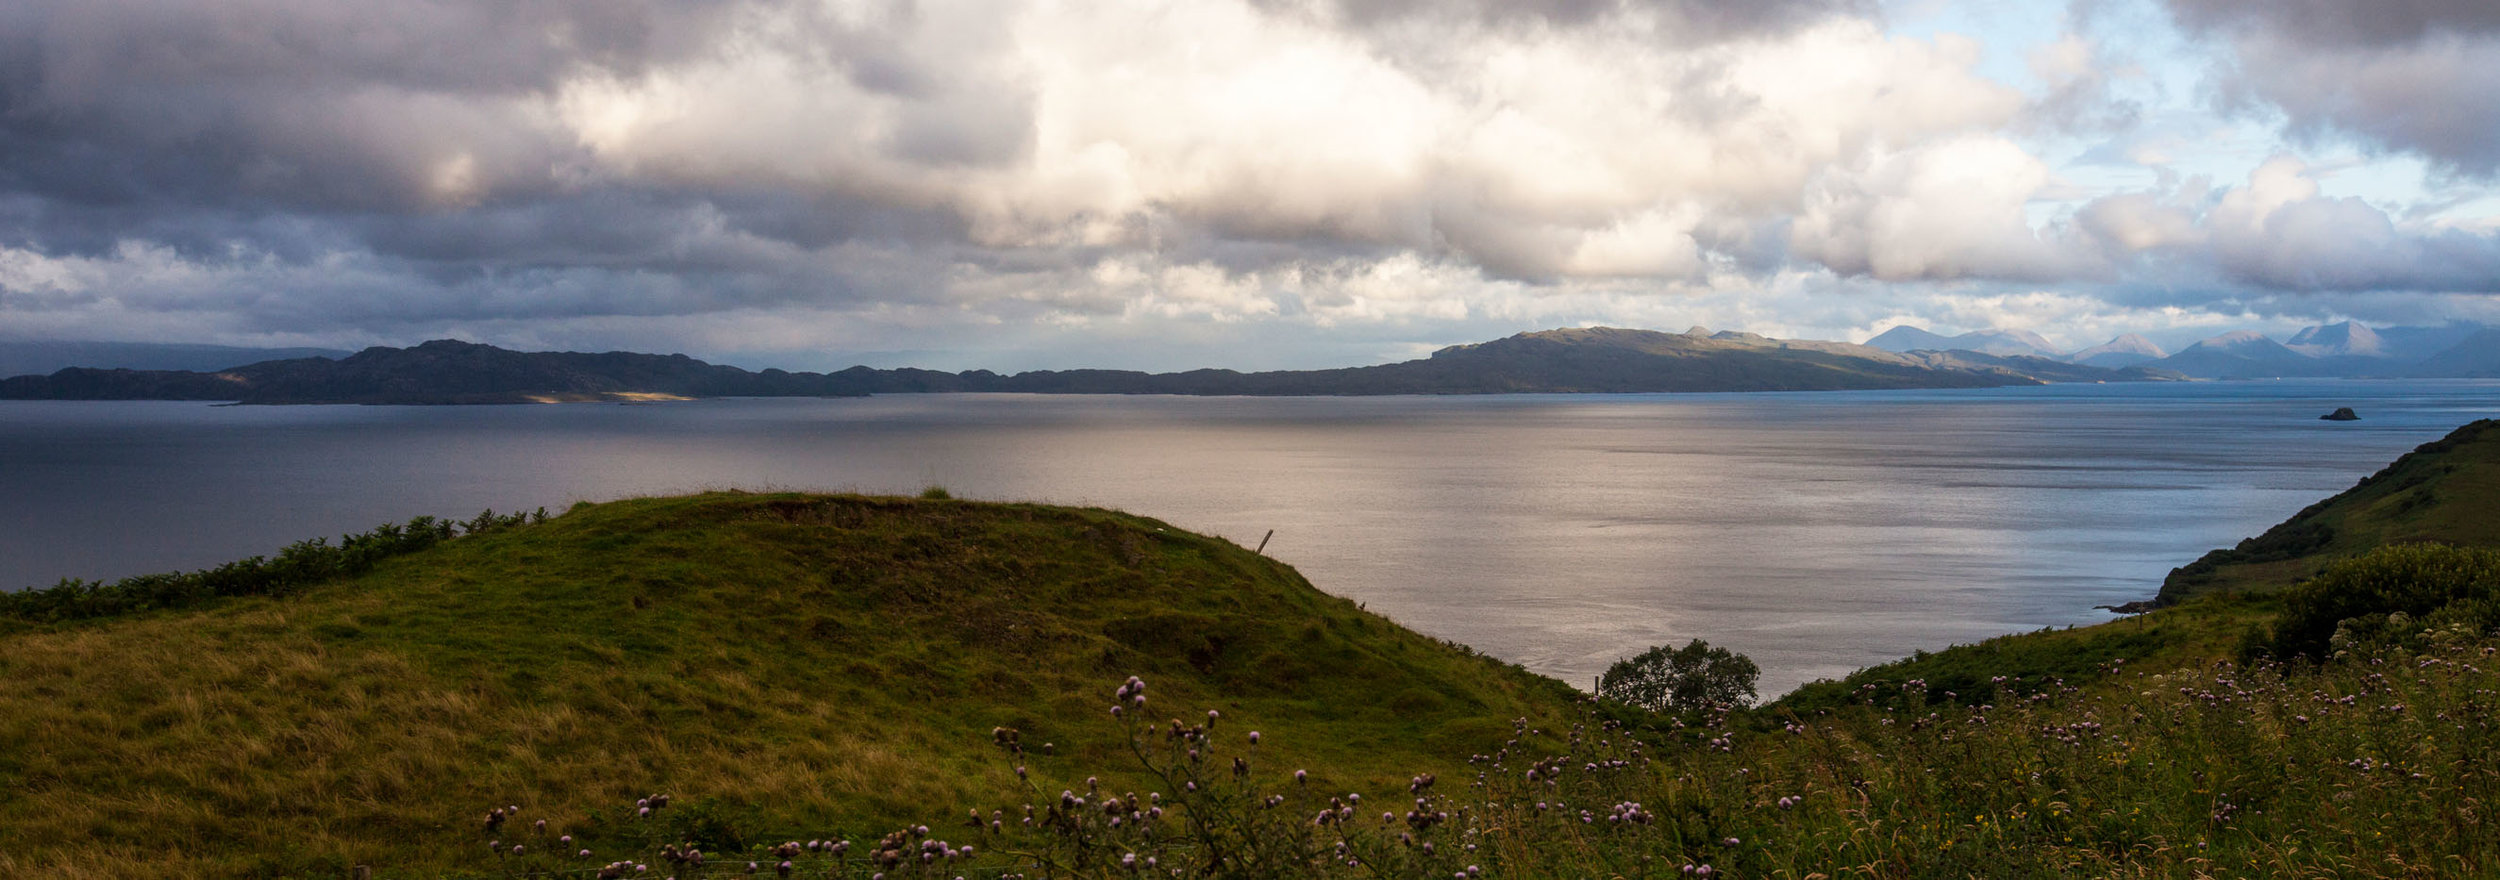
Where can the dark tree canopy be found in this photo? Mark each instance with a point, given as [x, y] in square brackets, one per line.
[1695, 677]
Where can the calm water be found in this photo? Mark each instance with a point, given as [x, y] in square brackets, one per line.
[1816, 532]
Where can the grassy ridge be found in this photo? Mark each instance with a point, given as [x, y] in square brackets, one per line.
[793, 662]
[2447, 491]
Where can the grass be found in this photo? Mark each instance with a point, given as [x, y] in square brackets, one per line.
[2377, 765]
[788, 662]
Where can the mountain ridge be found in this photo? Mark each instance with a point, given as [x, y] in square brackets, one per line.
[1577, 360]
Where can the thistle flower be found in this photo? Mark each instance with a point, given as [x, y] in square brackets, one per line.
[1254, 737]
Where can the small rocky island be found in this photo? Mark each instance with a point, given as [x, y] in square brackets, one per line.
[2341, 414]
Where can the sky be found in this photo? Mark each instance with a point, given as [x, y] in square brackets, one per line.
[1254, 184]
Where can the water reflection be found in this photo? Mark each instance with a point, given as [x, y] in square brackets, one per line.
[1815, 532]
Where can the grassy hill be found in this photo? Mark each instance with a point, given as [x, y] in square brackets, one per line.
[2447, 491]
[784, 665]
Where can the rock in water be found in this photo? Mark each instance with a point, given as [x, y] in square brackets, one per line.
[2342, 414]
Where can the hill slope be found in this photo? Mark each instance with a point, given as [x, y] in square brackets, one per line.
[2446, 491]
[787, 665]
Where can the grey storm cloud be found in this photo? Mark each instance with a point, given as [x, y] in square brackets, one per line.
[300, 103]
[2411, 75]
[2344, 23]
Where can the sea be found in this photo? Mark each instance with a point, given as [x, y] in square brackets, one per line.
[1815, 532]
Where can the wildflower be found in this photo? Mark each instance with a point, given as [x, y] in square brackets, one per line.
[1254, 737]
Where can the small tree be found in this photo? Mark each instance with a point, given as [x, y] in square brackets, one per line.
[1692, 678]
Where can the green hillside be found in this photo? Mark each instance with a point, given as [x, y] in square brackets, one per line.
[785, 665]
[2446, 491]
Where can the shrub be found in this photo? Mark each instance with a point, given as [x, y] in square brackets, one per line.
[2415, 580]
[1696, 677]
[302, 564]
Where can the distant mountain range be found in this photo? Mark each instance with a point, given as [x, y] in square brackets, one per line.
[2347, 349]
[20, 358]
[1579, 360]
[1906, 338]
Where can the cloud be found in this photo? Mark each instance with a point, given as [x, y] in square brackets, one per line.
[2408, 76]
[2278, 232]
[549, 170]
[1949, 209]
